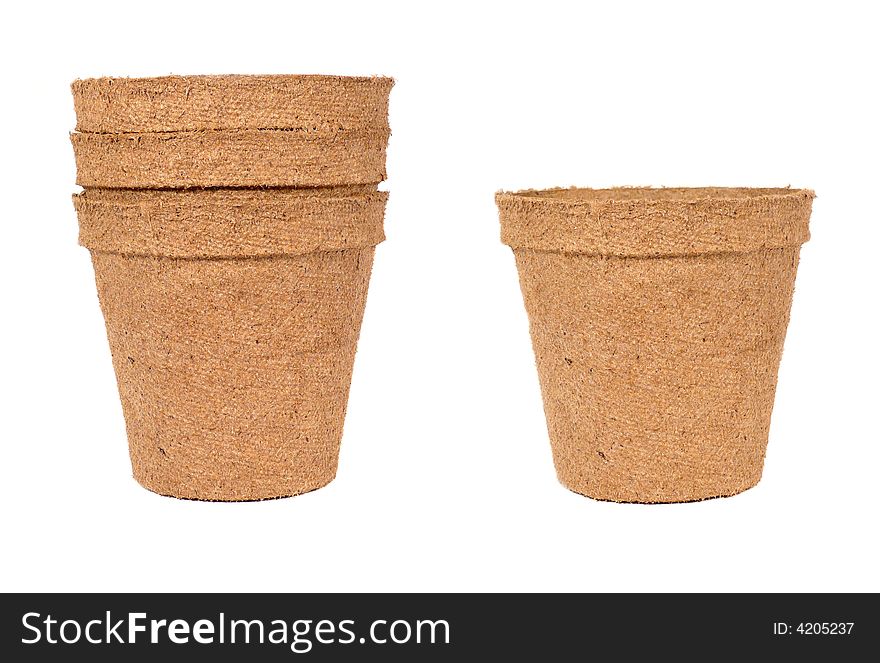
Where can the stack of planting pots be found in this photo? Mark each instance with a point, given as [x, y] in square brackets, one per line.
[657, 318]
[232, 222]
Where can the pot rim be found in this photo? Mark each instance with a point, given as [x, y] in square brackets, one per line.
[654, 222]
[81, 83]
[626, 194]
[224, 102]
[229, 223]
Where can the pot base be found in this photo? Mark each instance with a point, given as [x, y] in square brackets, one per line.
[621, 498]
[181, 492]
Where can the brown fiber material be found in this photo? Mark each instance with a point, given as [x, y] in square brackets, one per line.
[232, 222]
[233, 367]
[657, 318]
[242, 158]
[208, 103]
[224, 223]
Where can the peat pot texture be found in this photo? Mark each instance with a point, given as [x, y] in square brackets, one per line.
[230, 131]
[657, 319]
[233, 317]
[232, 222]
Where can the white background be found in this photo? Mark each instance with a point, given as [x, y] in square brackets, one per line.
[446, 480]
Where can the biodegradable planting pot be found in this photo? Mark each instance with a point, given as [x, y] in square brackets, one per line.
[232, 222]
[233, 317]
[657, 319]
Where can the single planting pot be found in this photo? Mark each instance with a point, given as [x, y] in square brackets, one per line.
[657, 318]
[224, 103]
[233, 317]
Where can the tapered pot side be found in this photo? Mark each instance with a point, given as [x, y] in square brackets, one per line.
[233, 318]
[657, 319]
